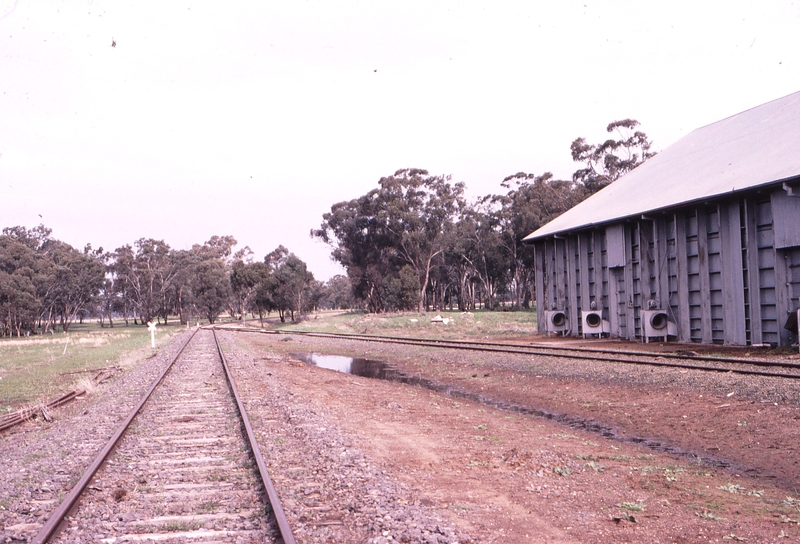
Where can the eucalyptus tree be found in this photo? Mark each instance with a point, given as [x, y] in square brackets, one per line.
[530, 202]
[338, 293]
[211, 288]
[289, 284]
[78, 276]
[604, 163]
[245, 279]
[145, 275]
[406, 221]
[18, 297]
[480, 247]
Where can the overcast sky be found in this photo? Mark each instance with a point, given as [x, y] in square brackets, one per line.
[179, 120]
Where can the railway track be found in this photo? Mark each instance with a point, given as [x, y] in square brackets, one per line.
[183, 467]
[737, 365]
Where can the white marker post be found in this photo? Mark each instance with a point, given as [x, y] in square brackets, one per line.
[152, 328]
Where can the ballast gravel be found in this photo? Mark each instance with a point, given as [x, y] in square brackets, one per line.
[330, 490]
[42, 460]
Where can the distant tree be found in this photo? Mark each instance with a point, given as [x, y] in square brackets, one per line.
[78, 277]
[338, 293]
[531, 202]
[290, 283]
[244, 280]
[216, 247]
[146, 276]
[605, 163]
[401, 290]
[211, 287]
[121, 268]
[19, 303]
[478, 246]
[406, 221]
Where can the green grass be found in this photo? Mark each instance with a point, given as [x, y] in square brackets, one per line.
[462, 324]
[38, 368]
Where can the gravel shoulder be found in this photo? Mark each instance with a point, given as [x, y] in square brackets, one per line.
[686, 462]
[42, 460]
[626, 455]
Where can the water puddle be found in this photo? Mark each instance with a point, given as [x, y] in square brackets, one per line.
[370, 368]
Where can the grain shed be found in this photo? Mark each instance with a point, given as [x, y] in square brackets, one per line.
[700, 243]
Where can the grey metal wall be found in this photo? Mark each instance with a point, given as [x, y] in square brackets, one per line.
[726, 272]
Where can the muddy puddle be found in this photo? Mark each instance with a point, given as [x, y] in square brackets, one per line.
[370, 368]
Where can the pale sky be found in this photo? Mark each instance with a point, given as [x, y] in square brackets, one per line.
[253, 118]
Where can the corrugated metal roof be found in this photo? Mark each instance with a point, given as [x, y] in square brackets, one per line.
[756, 147]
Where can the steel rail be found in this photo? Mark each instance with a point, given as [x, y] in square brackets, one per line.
[58, 516]
[272, 493]
[15, 418]
[634, 353]
[519, 349]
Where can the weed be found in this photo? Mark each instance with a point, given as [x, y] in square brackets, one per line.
[732, 488]
[637, 506]
[176, 526]
[207, 507]
[594, 466]
[86, 385]
[709, 516]
[217, 476]
[562, 471]
[36, 370]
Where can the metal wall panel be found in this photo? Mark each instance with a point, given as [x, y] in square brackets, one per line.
[615, 245]
[768, 313]
[793, 263]
[714, 268]
[539, 283]
[786, 219]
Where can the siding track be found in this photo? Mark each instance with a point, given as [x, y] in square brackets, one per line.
[751, 367]
[183, 472]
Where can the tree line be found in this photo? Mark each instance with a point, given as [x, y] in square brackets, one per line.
[411, 243]
[415, 243]
[47, 285]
